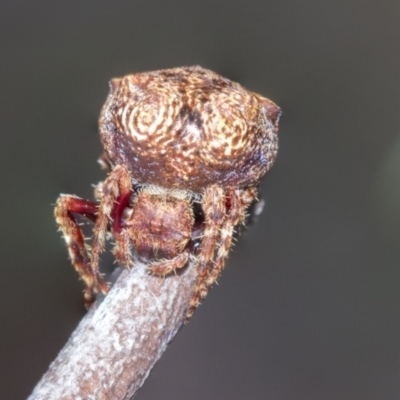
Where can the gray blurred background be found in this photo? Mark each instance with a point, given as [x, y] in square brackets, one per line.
[309, 304]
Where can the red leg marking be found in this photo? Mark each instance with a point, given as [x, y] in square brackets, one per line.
[119, 207]
[82, 207]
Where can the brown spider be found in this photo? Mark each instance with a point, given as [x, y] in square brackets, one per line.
[186, 149]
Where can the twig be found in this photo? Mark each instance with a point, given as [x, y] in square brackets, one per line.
[114, 348]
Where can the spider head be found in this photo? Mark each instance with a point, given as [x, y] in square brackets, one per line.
[161, 222]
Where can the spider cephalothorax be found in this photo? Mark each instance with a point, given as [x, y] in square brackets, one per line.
[186, 149]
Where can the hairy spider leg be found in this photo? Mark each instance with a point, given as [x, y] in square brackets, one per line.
[214, 209]
[122, 248]
[237, 203]
[117, 191]
[247, 197]
[166, 266]
[234, 215]
[65, 206]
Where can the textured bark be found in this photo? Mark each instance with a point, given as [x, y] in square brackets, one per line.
[114, 348]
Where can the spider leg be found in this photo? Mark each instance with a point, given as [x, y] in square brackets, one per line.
[225, 236]
[116, 193]
[238, 201]
[123, 249]
[98, 191]
[214, 208]
[65, 206]
[165, 267]
[247, 197]
[235, 202]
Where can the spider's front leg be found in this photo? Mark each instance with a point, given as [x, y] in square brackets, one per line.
[165, 267]
[66, 206]
[116, 194]
[214, 209]
[237, 203]
[222, 211]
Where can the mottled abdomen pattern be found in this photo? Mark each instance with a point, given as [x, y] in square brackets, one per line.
[188, 128]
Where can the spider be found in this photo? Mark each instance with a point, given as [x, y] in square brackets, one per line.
[185, 149]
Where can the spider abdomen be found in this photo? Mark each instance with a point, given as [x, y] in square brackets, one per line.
[189, 128]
